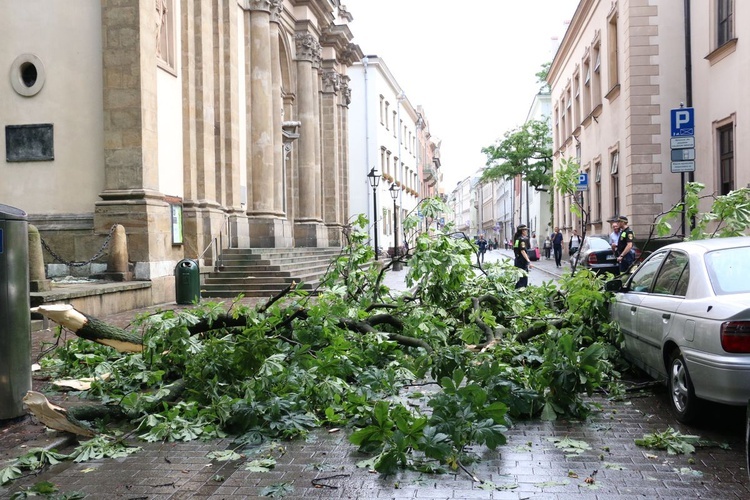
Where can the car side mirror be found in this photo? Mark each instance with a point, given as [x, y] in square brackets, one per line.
[614, 285]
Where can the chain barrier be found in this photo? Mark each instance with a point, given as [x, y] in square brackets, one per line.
[81, 264]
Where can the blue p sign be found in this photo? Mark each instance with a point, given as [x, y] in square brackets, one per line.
[683, 121]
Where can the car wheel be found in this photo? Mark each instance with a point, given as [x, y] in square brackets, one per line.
[681, 394]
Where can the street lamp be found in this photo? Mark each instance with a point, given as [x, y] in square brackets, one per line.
[396, 264]
[374, 178]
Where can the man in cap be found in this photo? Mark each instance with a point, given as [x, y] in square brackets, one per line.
[614, 236]
[625, 244]
[522, 260]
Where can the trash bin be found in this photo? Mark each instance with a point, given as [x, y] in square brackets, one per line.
[15, 318]
[187, 281]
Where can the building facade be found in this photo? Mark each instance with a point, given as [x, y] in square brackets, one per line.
[619, 70]
[387, 134]
[193, 124]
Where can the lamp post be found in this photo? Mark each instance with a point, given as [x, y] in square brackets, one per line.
[374, 178]
[396, 264]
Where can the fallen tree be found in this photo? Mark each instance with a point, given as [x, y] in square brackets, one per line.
[296, 362]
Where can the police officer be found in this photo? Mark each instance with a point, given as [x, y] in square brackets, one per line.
[625, 244]
[522, 260]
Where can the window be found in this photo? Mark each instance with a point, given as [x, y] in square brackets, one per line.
[612, 52]
[644, 276]
[596, 80]
[587, 87]
[614, 162]
[382, 107]
[387, 105]
[598, 183]
[726, 158]
[395, 127]
[165, 37]
[614, 158]
[725, 21]
[674, 275]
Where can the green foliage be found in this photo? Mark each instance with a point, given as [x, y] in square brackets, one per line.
[278, 377]
[728, 215]
[671, 440]
[102, 447]
[524, 151]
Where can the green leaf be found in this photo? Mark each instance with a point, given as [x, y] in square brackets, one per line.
[261, 465]
[9, 473]
[224, 455]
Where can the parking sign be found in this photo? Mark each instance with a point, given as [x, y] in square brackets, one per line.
[683, 121]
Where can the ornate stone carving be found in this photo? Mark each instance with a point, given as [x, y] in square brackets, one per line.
[277, 7]
[307, 47]
[161, 24]
[346, 91]
[331, 82]
[265, 5]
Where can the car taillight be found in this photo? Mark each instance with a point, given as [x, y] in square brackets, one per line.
[735, 336]
[592, 259]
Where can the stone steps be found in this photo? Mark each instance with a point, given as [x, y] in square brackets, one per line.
[256, 272]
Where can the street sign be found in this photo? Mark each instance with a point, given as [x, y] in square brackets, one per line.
[682, 142]
[683, 154]
[683, 121]
[683, 166]
[583, 182]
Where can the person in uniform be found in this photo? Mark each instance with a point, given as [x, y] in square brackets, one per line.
[522, 260]
[625, 244]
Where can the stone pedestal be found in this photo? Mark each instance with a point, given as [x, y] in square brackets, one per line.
[239, 232]
[38, 281]
[310, 234]
[335, 236]
[270, 233]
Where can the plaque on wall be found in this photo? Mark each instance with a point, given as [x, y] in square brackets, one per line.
[29, 142]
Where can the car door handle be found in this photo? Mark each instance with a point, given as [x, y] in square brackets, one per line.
[632, 309]
[666, 315]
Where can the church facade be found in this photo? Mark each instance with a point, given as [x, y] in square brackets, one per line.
[195, 124]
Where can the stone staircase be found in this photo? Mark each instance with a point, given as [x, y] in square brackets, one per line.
[264, 272]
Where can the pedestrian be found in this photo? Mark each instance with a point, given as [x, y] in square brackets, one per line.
[497, 244]
[557, 241]
[533, 247]
[614, 236]
[574, 243]
[547, 247]
[522, 260]
[482, 244]
[624, 245]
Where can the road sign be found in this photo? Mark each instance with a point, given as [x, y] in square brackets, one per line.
[683, 166]
[683, 121]
[682, 142]
[683, 154]
[583, 182]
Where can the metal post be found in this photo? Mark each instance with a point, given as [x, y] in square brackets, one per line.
[374, 179]
[375, 224]
[395, 263]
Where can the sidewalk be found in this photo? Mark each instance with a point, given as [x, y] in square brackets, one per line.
[529, 466]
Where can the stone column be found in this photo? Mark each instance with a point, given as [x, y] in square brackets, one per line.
[345, 98]
[317, 76]
[309, 231]
[261, 144]
[330, 139]
[267, 228]
[277, 109]
[130, 194]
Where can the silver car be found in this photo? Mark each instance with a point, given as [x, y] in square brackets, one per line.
[685, 316]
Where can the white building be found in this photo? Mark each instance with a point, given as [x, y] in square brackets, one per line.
[383, 134]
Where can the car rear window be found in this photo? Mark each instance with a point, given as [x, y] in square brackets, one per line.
[599, 244]
[728, 270]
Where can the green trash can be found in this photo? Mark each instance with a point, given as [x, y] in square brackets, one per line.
[187, 281]
[15, 319]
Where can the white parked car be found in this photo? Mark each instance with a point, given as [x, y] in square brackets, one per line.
[685, 316]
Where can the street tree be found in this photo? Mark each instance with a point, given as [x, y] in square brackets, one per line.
[525, 151]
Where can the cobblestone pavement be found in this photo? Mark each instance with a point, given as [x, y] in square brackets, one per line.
[529, 466]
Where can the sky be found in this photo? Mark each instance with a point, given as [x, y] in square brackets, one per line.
[472, 65]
